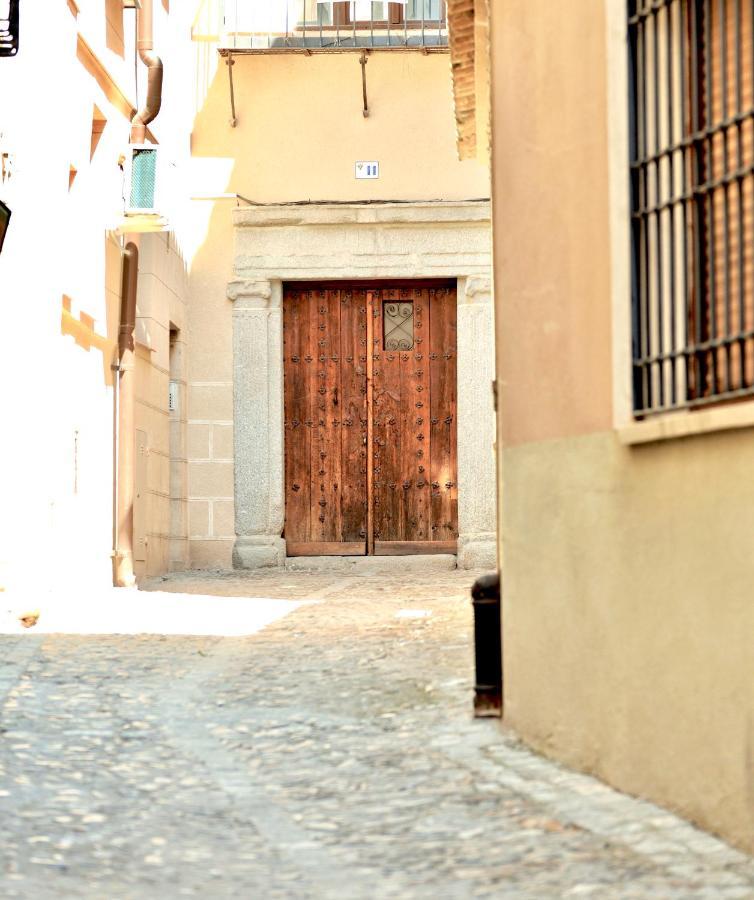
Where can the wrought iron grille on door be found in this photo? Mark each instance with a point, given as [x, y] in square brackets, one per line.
[370, 419]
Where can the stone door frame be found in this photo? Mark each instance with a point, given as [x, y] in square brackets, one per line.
[355, 241]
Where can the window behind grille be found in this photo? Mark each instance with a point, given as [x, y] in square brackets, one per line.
[692, 185]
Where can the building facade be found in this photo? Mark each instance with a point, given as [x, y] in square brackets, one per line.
[68, 97]
[312, 431]
[622, 192]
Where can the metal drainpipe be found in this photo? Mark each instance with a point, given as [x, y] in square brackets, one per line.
[145, 46]
[124, 554]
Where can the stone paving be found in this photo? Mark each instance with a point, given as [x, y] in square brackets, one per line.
[332, 754]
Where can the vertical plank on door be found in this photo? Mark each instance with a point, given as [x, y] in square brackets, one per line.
[297, 432]
[368, 433]
[324, 387]
[415, 426]
[353, 415]
[387, 487]
[442, 359]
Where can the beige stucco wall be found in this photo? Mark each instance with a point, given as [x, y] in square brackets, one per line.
[628, 616]
[300, 130]
[553, 240]
[627, 571]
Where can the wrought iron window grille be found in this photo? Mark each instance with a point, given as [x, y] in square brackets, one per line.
[691, 82]
[8, 27]
[398, 325]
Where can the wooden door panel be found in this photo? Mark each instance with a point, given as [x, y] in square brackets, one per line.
[414, 490]
[353, 411]
[323, 359]
[387, 464]
[297, 415]
[442, 368]
[325, 421]
[416, 426]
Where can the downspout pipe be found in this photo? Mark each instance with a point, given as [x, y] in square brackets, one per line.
[145, 46]
[124, 553]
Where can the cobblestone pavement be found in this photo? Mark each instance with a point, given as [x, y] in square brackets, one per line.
[330, 755]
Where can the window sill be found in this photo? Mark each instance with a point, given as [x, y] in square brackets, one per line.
[686, 424]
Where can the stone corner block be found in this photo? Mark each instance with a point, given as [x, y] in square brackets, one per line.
[477, 551]
[249, 290]
[478, 285]
[258, 552]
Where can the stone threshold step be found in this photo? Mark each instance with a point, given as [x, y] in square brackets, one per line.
[372, 565]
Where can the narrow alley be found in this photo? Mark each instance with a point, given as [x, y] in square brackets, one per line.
[330, 754]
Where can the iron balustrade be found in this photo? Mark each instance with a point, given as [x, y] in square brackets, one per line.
[312, 25]
[691, 83]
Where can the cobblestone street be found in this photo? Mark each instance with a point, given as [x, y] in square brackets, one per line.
[331, 754]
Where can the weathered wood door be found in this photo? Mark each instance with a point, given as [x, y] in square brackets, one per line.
[370, 419]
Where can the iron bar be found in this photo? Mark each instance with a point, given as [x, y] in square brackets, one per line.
[644, 349]
[671, 187]
[696, 402]
[363, 62]
[686, 213]
[701, 190]
[726, 207]
[658, 267]
[740, 236]
[230, 63]
[704, 346]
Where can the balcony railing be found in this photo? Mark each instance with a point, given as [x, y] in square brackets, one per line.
[312, 25]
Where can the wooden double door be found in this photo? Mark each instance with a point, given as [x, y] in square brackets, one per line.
[370, 418]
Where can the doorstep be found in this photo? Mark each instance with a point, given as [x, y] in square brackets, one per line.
[373, 565]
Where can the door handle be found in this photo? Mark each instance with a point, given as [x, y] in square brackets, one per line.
[334, 396]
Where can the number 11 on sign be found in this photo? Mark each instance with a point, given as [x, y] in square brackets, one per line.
[367, 169]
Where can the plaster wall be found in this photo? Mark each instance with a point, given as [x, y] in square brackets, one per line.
[300, 129]
[628, 616]
[552, 250]
[626, 570]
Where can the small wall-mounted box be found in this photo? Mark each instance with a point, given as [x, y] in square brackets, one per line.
[141, 185]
